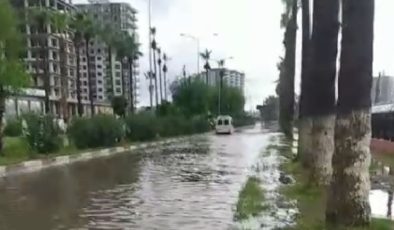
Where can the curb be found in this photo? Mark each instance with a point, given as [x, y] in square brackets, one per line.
[37, 165]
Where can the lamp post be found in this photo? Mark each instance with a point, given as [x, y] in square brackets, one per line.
[221, 63]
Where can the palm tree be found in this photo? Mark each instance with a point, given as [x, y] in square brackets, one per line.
[305, 125]
[122, 53]
[221, 76]
[109, 35]
[133, 49]
[319, 88]
[159, 62]
[348, 198]
[286, 91]
[165, 69]
[60, 22]
[41, 17]
[154, 47]
[89, 32]
[77, 25]
[206, 55]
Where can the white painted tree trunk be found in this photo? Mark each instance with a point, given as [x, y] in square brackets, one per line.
[322, 142]
[347, 202]
[304, 141]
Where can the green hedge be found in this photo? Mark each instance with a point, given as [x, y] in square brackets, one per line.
[141, 127]
[13, 128]
[99, 131]
[42, 133]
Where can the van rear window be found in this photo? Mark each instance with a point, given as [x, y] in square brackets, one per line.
[226, 122]
[220, 122]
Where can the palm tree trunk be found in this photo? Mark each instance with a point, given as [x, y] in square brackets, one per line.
[122, 66]
[2, 110]
[131, 82]
[305, 125]
[165, 84]
[46, 75]
[207, 76]
[155, 76]
[287, 85]
[160, 82]
[64, 78]
[90, 82]
[348, 202]
[110, 71]
[320, 89]
[78, 82]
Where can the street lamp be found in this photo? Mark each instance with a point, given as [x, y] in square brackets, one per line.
[197, 40]
[221, 63]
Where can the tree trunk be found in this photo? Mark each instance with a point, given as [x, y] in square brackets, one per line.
[160, 82]
[110, 71]
[304, 125]
[155, 76]
[64, 78]
[78, 82]
[46, 74]
[286, 116]
[131, 81]
[165, 84]
[348, 202]
[207, 76]
[2, 110]
[319, 94]
[92, 112]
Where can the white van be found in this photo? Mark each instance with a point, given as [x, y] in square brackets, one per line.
[224, 125]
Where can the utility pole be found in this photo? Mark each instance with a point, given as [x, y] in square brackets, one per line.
[150, 53]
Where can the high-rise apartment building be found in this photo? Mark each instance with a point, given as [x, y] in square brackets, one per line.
[50, 59]
[232, 78]
[107, 73]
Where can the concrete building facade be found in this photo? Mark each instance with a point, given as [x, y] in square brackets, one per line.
[232, 78]
[107, 73]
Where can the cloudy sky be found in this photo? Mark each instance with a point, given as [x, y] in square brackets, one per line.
[248, 30]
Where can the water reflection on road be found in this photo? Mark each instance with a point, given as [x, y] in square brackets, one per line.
[191, 185]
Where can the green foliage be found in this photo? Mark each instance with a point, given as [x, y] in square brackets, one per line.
[42, 133]
[194, 97]
[243, 120]
[250, 201]
[13, 128]
[119, 105]
[99, 131]
[166, 108]
[269, 111]
[141, 127]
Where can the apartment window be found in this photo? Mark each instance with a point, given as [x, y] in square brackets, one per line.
[118, 90]
[54, 55]
[84, 67]
[85, 98]
[54, 42]
[99, 66]
[98, 51]
[91, 59]
[99, 58]
[85, 83]
[117, 74]
[100, 82]
[55, 68]
[100, 90]
[85, 75]
[99, 74]
[84, 59]
[117, 82]
[85, 90]
[117, 66]
[100, 97]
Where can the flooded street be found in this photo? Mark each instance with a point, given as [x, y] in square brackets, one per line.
[191, 185]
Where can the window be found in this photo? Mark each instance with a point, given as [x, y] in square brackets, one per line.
[101, 97]
[84, 59]
[220, 122]
[117, 82]
[99, 66]
[117, 66]
[99, 58]
[85, 83]
[85, 75]
[98, 51]
[117, 74]
[99, 74]
[54, 42]
[84, 67]
[54, 55]
[85, 90]
[85, 98]
[118, 90]
[226, 122]
[100, 90]
[100, 82]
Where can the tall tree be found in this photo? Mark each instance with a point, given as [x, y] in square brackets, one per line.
[319, 89]
[286, 78]
[41, 17]
[159, 62]
[348, 202]
[77, 26]
[154, 47]
[89, 33]
[305, 124]
[206, 55]
[165, 69]
[12, 72]
[133, 50]
[109, 35]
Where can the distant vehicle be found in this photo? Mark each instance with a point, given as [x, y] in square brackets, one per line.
[224, 125]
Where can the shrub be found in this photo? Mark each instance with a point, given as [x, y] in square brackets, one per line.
[173, 126]
[13, 128]
[42, 133]
[200, 124]
[141, 127]
[99, 131]
[243, 120]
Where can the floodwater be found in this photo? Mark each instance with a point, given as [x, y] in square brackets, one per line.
[189, 185]
[381, 195]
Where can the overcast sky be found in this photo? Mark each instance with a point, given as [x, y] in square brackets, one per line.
[248, 30]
